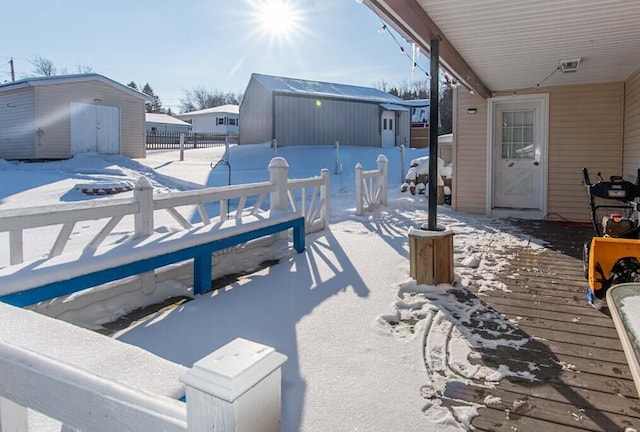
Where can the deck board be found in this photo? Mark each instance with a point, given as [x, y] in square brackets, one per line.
[583, 382]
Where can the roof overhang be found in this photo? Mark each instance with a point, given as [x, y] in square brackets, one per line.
[393, 107]
[65, 79]
[507, 45]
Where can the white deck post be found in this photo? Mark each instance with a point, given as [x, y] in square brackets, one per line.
[383, 166]
[358, 189]
[235, 389]
[13, 417]
[143, 193]
[324, 197]
[278, 175]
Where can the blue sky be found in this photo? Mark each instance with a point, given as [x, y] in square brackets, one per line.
[214, 44]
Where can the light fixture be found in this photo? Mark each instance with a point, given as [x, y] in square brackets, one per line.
[570, 65]
[472, 110]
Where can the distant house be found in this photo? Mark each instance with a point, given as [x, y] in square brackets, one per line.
[163, 123]
[419, 112]
[222, 120]
[59, 116]
[301, 112]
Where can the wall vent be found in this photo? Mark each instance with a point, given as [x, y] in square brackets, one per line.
[570, 65]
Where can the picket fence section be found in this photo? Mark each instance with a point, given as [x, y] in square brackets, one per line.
[171, 140]
[371, 186]
[246, 199]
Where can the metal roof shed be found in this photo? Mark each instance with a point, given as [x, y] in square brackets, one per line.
[302, 112]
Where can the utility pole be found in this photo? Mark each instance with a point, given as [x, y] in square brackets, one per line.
[13, 72]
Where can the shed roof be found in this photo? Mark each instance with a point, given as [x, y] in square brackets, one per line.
[164, 118]
[229, 109]
[64, 79]
[318, 88]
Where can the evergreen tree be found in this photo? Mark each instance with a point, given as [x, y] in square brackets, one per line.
[156, 105]
[446, 109]
[133, 85]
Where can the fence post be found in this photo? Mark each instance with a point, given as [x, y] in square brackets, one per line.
[402, 163]
[236, 388]
[16, 247]
[226, 148]
[278, 175]
[143, 193]
[181, 147]
[358, 189]
[195, 140]
[324, 197]
[337, 164]
[274, 146]
[383, 166]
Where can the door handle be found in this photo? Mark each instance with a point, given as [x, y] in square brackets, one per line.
[536, 163]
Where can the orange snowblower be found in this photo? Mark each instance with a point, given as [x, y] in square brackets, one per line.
[613, 256]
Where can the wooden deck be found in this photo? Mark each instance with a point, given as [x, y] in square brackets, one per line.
[583, 381]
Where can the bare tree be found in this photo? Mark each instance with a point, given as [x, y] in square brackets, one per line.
[200, 98]
[84, 69]
[43, 66]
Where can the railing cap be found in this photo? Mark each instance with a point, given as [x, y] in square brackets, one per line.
[143, 183]
[233, 369]
[278, 162]
[382, 158]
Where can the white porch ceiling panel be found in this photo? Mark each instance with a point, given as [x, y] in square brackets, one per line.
[516, 44]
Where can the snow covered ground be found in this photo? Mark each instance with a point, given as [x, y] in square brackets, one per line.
[368, 348]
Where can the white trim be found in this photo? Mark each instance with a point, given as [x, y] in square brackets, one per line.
[543, 99]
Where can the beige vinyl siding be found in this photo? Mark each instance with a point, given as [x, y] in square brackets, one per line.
[17, 132]
[585, 130]
[631, 159]
[469, 153]
[53, 103]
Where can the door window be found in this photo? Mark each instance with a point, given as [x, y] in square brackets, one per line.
[517, 135]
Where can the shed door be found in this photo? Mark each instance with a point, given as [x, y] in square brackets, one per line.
[518, 169]
[388, 129]
[95, 128]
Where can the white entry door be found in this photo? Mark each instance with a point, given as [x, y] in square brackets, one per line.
[518, 165]
[388, 129]
[95, 128]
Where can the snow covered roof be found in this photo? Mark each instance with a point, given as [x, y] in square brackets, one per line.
[418, 102]
[393, 107]
[164, 118]
[63, 79]
[318, 88]
[228, 109]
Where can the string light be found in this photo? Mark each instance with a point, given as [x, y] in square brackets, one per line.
[403, 51]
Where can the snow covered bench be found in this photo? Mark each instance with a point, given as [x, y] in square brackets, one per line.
[43, 279]
[89, 381]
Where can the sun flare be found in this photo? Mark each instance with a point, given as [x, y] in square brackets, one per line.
[277, 18]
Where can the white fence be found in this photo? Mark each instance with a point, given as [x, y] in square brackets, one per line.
[234, 389]
[371, 186]
[250, 198]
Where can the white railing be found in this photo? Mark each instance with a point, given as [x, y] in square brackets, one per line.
[143, 205]
[371, 186]
[234, 389]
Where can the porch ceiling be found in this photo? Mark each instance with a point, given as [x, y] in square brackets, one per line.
[516, 44]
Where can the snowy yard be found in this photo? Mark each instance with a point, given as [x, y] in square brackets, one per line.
[368, 348]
